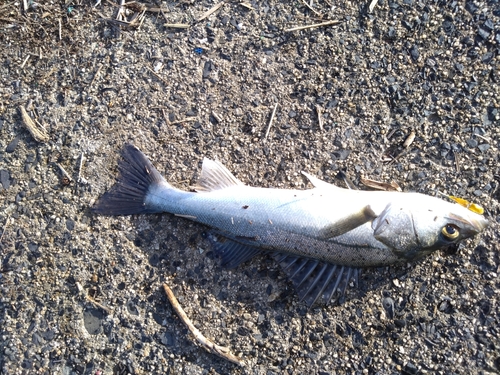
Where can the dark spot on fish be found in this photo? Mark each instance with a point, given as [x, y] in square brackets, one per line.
[248, 238]
[245, 206]
[435, 217]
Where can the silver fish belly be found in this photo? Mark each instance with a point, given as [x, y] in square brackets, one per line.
[320, 236]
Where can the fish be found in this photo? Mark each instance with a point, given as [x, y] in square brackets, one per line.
[321, 237]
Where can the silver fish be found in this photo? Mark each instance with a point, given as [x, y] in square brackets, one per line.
[320, 236]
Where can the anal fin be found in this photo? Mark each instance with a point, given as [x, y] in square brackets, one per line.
[316, 282]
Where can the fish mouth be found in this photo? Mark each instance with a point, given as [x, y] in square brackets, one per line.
[471, 225]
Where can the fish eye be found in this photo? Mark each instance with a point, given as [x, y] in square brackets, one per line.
[450, 231]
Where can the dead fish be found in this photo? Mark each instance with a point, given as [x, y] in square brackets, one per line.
[320, 236]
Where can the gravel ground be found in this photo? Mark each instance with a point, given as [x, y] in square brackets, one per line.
[82, 294]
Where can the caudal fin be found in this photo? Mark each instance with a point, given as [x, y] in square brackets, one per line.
[127, 196]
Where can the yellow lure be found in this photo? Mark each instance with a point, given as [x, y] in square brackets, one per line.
[471, 206]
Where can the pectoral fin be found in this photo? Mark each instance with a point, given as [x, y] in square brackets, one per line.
[347, 223]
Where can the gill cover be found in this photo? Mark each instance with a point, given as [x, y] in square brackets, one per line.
[394, 227]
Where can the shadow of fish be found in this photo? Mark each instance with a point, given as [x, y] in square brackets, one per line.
[320, 237]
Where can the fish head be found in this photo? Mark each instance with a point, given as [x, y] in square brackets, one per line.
[419, 224]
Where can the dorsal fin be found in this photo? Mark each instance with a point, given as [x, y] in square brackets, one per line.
[214, 176]
[317, 182]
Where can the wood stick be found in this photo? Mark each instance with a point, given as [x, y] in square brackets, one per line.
[65, 177]
[157, 75]
[393, 186]
[5, 227]
[210, 11]
[209, 345]
[93, 301]
[95, 76]
[177, 25]
[183, 120]
[311, 9]
[39, 133]
[320, 119]
[327, 23]
[25, 61]
[270, 121]
[372, 5]
[100, 305]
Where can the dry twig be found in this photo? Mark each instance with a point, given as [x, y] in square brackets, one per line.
[372, 5]
[93, 301]
[79, 178]
[210, 11]
[177, 25]
[5, 227]
[95, 76]
[457, 163]
[327, 23]
[37, 131]
[183, 120]
[25, 61]
[247, 5]
[157, 75]
[393, 186]
[320, 119]
[209, 345]
[65, 177]
[270, 121]
[311, 9]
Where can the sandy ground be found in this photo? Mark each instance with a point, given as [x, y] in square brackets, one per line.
[82, 294]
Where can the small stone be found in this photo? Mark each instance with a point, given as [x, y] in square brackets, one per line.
[388, 304]
[471, 7]
[410, 369]
[11, 147]
[92, 319]
[483, 33]
[70, 224]
[415, 54]
[207, 68]
[471, 142]
[168, 339]
[483, 147]
[5, 178]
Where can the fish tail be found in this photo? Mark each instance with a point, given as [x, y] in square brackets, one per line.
[129, 194]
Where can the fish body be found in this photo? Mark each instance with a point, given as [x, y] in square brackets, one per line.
[319, 236]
